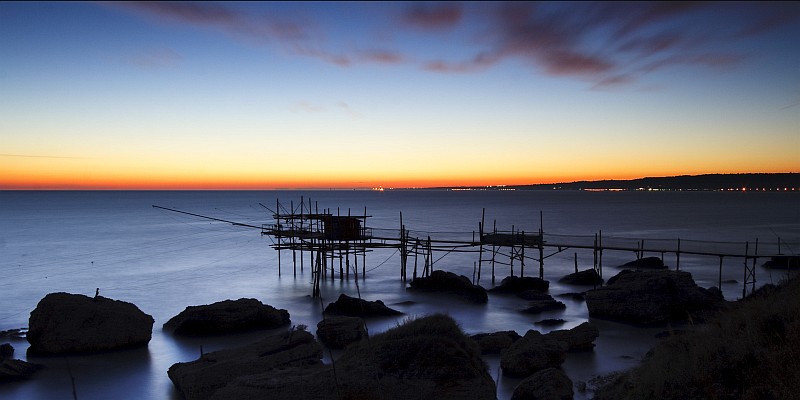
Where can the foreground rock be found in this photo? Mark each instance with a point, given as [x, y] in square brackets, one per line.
[74, 323]
[533, 353]
[550, 384]
[494, 343]
[428, 358]
[227, 316]
[16, 370]
[353, 307]
[579, 338]
[585, 277]
[448, 282]
[337, 332]
[516, 284]
[294, 352]
[645, 263]
[651, 297]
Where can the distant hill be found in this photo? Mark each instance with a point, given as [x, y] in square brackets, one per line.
[767, 182]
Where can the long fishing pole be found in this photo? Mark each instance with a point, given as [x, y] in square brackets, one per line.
[206, 217]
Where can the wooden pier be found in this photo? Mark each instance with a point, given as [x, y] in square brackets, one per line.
[334, 239]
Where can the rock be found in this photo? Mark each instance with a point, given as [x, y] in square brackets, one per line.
[337, 332]
[651, 297]
[516, 284]
[74, 323]
[585, 277]
[645, 263]
[16, 370]
[448, 282]
[578, 338]
[550, 322]
[353, 307]
[534, 352]
[547, 384]
[783, 262]
[14, 333]
[6, 350]
[227, 316]
[201, 379]
[573, 296]
[496, 342]
[540, 302]
[427, 358]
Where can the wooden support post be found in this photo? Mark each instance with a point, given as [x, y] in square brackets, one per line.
[522, 258]
[600, 259]
[744, 281]
[480, 239]
[576, 262]
[541, 245]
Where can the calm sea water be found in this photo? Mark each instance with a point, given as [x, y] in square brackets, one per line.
[164, 261]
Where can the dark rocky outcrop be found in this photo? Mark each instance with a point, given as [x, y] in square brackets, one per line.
[516, 284]
[645, 263]
[578, 338]
[651, 297]
[353, 307]
[547, 384]
[448, 282]
[539, 302]
[14, 370]
[550, 322]
[227, 316]
[337, 332]
[73, 323]
[495, 342]
[294, 352]
[427, 358]
[533, 352]
[585, 277]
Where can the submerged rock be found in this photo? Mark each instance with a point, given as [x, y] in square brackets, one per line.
[585, 277]
[353, 307]
[6, 350]
[337, 332]
[16, 370]
[227, 316]
[448, 282]
[74, 323]
[539, 302]
[516, 284]
[651, 297]
[549, 384]
[578, 338]
[491, 343]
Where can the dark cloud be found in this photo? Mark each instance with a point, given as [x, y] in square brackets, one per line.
[433, 16]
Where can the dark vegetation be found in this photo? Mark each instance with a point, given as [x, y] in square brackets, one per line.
[751, 351]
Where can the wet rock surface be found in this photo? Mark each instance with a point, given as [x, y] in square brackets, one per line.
[337, 332]
[450, 283]
[539, 302]
[354, 307]
[533, 352]
[645, 263]
[516, 284]
[585, 277]
[547, 384]
[494, 343]
[73, 323]
[227, 316]
[579, 338]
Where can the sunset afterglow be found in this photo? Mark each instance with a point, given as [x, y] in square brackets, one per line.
[348, 95]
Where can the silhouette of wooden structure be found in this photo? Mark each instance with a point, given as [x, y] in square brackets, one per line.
[332, 239]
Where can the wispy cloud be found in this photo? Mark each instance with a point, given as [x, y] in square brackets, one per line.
[433, 16]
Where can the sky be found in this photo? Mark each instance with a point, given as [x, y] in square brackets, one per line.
[293, 95]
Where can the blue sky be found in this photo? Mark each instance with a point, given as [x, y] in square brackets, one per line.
[328, 94]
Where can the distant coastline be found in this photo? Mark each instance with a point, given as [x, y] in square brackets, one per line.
[758, 182]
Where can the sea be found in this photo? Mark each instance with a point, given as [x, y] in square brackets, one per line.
[117, 243]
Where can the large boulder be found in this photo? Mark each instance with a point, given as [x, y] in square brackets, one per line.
[495, 342]
[427, 358]
[547, 384]
[227, 316]
[337, 332]
[448, 282]
[578, 338]
[651, 297]
[517, 284]
[534, 352]
[353, 307]
[295, 351]
[74, 323]
[585, 277]
[645, 263]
